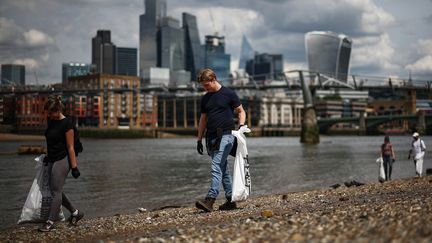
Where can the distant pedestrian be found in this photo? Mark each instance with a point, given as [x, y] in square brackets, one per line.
[417, 151]
[388, 156]
[61, 158]
[217, 112]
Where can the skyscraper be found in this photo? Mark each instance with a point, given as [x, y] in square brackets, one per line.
[12, 74]
[193, 50]
[246, 53]
[216, 58]
[126, 62]
[74, 69]
[170, 43]
[265, 66]
[328, 53]
[103, 52]
[155, 10]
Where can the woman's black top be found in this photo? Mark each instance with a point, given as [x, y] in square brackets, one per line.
[55, 135]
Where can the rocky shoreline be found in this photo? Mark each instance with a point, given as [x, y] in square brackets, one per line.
[399, 211]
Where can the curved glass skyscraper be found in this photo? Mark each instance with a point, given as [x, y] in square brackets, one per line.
[328, 53]
[246, 53]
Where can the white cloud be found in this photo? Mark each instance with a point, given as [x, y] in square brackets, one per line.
[421, 66]
[9, 32]
[424, 46]
[36, 38]
[29, 63]
[373, 19]
[31, 47]
[375, 52]
[45, 57]
[229, 22]
[14, 35]
[295, 66]
[351, 17]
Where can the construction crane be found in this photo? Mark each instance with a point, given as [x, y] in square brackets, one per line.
[36, 78]
[213, 22]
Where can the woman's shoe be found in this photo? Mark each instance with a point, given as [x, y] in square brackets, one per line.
[47, 227]
[74, 219]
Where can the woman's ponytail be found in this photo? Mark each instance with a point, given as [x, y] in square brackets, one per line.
[54, 103]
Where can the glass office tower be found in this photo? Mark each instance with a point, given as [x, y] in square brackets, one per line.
[170, 46]
[74, 69]
[265, 66]
[103, 52]
[12, 74]
[193, 50]
[155, 10]
[127, 61]
[328, 53]
[216, 58]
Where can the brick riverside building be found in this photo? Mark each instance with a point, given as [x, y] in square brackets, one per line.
[29, 112]
[116, 100]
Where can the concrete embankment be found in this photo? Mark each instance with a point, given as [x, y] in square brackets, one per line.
[400, 210]
[20, 137]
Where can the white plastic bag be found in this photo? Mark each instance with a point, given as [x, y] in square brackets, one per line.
[38, 202]
[419, 155]
[381, 175]
[241, 178]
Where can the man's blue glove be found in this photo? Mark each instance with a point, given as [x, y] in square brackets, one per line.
[200, 147]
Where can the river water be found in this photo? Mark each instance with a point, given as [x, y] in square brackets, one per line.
[121, 175]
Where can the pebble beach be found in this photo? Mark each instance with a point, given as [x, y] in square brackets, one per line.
[396, 211]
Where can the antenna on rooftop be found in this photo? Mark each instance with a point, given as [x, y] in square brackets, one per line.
[410, 82]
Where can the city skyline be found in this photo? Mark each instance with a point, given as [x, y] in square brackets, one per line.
[388, 39]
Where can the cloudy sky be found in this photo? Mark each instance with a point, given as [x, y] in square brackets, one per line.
[390, 37]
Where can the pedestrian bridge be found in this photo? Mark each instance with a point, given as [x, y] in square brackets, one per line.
[370, 124]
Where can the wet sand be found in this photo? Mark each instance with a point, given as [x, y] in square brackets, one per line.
[399, 211]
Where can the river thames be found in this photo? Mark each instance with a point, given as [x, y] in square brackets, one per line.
[121, 175]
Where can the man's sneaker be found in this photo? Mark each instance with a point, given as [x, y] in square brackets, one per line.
[228, 205]
[206, 204]
[74, 219]
[48, 226]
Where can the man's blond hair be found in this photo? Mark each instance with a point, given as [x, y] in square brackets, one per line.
[206, 75]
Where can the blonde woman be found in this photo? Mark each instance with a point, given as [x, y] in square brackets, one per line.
[61, 158]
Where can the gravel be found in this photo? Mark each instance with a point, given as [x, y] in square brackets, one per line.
[398, 211]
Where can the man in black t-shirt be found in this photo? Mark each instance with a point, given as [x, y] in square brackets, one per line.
[217, 113]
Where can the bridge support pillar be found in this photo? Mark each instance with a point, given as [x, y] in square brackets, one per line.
[421, 122]
[362, 124]
[309, 130]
